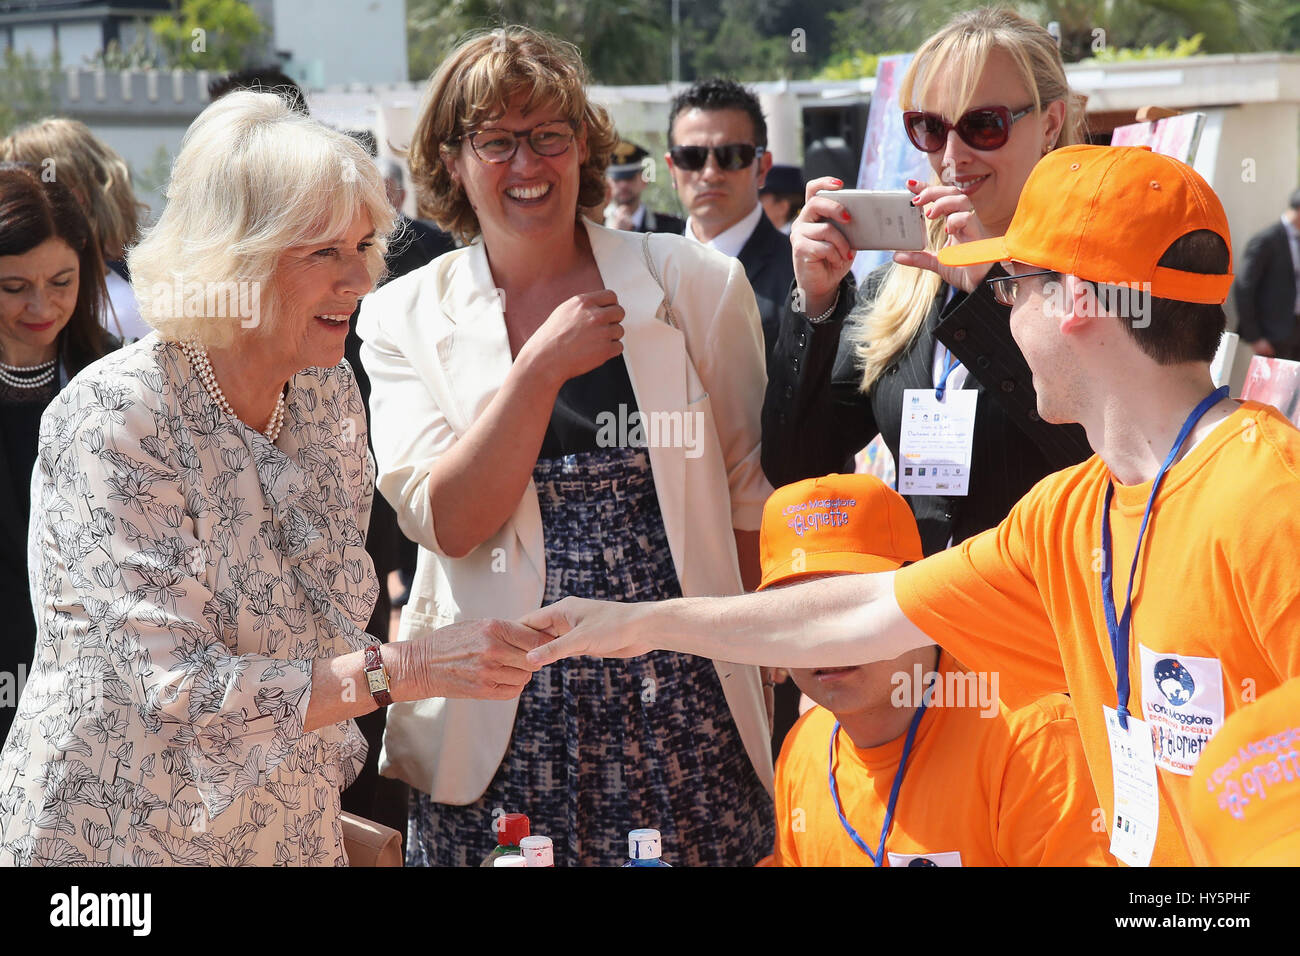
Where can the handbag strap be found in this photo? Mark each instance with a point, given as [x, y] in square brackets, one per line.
[650, 264]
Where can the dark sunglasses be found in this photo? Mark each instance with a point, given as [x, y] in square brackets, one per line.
[1005, 287]
[731, 157]
[986, 128]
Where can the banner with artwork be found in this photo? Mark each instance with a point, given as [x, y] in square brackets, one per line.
[889, 159]
[1275, 382]
[1176, 136]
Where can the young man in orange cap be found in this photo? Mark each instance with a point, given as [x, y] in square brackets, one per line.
[912, 762]
[1147, 579]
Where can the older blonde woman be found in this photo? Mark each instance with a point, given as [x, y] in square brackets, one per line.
[200, 581]
[101, 180]
[525, 390]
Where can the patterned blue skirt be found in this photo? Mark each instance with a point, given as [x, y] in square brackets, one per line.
[601, 747]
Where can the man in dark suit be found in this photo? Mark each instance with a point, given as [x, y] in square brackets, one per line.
[1265, 291]
[630, 169]
[717, 154]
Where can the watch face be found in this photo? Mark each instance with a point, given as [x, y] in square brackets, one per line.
[376, 681]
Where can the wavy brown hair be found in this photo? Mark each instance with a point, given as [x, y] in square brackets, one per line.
[32, 211]
[94, 170]
[475, 83]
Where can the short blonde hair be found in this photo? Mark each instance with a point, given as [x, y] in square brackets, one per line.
[475, 83]
[93, 170]
[253, 178]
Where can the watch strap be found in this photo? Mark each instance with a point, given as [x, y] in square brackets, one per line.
[377, 676]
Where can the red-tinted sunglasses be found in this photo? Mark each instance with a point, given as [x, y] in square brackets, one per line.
[986, 128]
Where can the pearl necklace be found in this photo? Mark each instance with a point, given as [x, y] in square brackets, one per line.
[28, 377]
[198, 357]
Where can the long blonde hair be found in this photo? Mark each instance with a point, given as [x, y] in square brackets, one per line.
[962, 48]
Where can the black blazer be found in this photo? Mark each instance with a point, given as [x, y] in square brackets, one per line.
[661, 222]
[416, 245]
[1264, 292]
[769, 266]
[815, 418]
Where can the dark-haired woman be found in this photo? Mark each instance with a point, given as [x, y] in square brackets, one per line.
[51, 294]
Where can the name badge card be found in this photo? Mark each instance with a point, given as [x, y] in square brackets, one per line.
[1137, 798]
[935, 444]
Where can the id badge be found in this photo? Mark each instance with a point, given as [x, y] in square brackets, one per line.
[947, 858]
[1137, 797]
[935, 441]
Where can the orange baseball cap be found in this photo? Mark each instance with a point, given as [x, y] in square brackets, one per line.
[836, 523]
[1245, 791]
[1107, 214]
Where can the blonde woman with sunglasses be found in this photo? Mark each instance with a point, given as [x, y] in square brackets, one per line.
[985, 99]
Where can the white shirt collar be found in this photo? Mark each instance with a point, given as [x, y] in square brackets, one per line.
[730, 241]
[638, 217]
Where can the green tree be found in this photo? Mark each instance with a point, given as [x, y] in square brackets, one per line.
[622, 41]
[26, 90]
[219, 35]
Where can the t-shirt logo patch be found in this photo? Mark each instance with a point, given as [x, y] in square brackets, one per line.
[1182, 698]
[949, 858]
[1174, 681]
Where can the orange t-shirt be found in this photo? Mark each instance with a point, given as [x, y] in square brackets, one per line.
[1010, 789]
[1216, 602]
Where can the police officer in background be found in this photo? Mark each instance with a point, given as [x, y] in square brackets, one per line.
[626, 179]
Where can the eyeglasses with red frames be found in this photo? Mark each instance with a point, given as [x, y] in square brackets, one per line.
[1005, 288]
[494, 145]
[986, 128]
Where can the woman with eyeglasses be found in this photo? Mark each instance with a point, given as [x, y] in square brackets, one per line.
[553, 414]
[985, 99]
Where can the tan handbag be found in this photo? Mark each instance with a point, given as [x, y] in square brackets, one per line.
[368, 843]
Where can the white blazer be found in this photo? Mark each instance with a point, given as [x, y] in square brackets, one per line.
[436, 351]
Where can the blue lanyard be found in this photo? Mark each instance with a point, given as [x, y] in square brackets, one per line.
[943, 379]
[878, 857]
[1119, 629]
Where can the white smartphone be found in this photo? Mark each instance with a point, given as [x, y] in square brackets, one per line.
[880, 220]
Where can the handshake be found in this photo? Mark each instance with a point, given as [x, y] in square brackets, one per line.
[495, 659]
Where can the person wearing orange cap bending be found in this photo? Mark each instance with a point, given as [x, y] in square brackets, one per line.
[1147, 580]
[912, 762]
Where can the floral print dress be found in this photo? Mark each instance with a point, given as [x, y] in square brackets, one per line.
[186, 574]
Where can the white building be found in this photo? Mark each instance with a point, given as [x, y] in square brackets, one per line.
[318, 42]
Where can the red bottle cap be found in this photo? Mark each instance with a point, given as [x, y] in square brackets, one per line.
[511, 828]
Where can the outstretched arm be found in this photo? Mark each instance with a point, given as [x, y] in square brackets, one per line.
[830, 623]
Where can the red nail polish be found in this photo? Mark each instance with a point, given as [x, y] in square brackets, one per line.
[847, 217]
[838, 182]
[915, 200]
[911, 182]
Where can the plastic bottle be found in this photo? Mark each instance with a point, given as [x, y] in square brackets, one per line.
[511, 828]
[644, 848]
[509, 859]
[537, 851]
